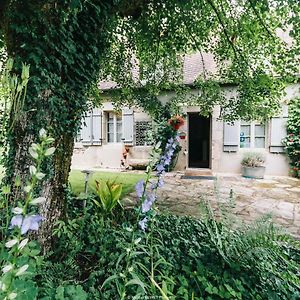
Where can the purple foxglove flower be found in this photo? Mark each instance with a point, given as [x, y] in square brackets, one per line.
[16, 221]
[31, 223]
[139, 188]
[143, 224]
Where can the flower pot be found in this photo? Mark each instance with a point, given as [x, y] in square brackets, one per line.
[176, 126]
[253, 172]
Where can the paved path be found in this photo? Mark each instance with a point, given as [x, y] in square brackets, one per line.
[279, 196]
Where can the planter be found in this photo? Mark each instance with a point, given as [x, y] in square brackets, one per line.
[253, 172]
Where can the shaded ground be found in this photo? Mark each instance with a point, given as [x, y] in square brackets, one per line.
[279, 196]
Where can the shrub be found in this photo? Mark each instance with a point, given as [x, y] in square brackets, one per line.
[177, 258]
[253, 159]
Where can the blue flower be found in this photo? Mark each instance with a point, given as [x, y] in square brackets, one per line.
[160, 182]
[167, 161]
[16, 221]
[160, 168]
[143, 224]
[31, 223]
[147, 204]
[27, 223]
[170, 141]
[139, 188]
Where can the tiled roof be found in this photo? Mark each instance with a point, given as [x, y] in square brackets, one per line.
[193, 66]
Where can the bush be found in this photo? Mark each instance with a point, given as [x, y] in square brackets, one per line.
[253, 159]
[178, 258]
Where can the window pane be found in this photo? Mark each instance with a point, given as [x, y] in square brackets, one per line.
[260, 130]
[110, 127]
[245, 130]
[245, 142]
[259, 142]
[110, 137]
[119, 137]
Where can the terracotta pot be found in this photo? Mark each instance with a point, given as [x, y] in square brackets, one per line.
[176, 126]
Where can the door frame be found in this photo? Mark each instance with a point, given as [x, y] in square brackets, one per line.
[188, 141]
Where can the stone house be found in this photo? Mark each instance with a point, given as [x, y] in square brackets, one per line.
[210, 145]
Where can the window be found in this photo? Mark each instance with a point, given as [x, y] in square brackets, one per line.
[252, 135]
[114, 128]
[141, 129]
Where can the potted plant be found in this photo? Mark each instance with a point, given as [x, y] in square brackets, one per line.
[253, 165]
[176, 122]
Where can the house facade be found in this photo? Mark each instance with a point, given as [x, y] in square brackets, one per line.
[209, 144]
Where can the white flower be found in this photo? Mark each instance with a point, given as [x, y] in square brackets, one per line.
[23, 244]
[7, 268]
[42, 133]
[11, 243]
[12, 296]
[27, 188]
[49, 151]
[2, 286]
[22, 270]
[17, 210]
[32, 170]
[33, 153]
[39, 175]
[38, 200]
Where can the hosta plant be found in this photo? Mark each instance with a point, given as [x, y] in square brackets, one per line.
[109, 194]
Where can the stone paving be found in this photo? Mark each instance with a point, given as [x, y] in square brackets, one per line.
[279, 196]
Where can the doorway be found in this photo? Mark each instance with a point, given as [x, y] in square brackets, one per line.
[199, 141]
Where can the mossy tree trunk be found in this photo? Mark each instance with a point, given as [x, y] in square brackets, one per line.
[63, 48]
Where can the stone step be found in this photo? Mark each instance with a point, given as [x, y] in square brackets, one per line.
[198, 172]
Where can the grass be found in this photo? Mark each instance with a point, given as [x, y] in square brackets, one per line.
[128, 181]
[77, 179]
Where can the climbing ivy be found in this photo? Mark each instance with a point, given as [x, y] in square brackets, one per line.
[292, 141]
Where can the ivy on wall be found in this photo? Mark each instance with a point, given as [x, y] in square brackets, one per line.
[292, 141]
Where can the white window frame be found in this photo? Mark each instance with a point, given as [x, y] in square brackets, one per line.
[114, 122]
[252, 134]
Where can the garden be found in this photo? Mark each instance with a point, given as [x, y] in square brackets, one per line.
[61, 239]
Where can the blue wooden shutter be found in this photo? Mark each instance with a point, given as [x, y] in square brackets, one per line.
[127, 126]
[86, 130]
[96, 126]
[231, 136]
[278, 131]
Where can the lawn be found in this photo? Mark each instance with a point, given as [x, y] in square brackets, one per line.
[127, 180]
[77, 179]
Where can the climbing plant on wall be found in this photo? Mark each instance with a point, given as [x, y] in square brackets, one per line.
[292, 141]
[70, 44]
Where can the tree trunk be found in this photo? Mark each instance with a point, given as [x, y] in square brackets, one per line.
[63, 49]
[55, 189]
